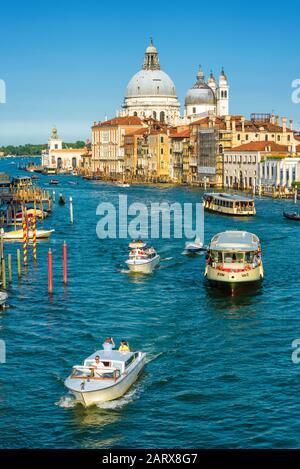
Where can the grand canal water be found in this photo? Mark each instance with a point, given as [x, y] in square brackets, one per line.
[219, 373]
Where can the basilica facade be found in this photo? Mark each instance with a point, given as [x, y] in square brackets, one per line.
[151, 93]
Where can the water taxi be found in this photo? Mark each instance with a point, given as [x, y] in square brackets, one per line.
[229, 204]
[106, 380]
[234, 257]
[142, 259]
[3, 298]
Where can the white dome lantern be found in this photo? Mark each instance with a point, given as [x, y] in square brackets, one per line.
[151, 92]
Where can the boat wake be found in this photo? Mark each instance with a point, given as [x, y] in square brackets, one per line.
[150, 359]
[129, 397]
[66, 402]
[166, 259]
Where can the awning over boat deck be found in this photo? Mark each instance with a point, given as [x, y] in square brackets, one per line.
[112, 355]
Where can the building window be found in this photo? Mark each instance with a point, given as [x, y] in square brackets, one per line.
[161, 151]
[289, 138]
[225, 94]
[162, 116]
[194, 110]
[278, 138]
[238, 136]
[154, 115]
[266, 137]
[161, 139]
[135, 113]
[247, 137]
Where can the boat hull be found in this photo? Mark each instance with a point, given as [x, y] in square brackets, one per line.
[234, 278]
[18, 235]
[89, 398]
[144, 267]
[223, 211]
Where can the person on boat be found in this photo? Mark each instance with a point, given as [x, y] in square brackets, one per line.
[108, 344]
[124, 346]
[98, 362]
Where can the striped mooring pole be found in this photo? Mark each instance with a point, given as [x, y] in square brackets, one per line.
[33, 226]
[25, 227]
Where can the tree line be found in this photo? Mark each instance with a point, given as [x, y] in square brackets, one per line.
[33, 150]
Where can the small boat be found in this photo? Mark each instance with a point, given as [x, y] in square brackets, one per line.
[228, 204]
[141, 258]
[122, 184]
[110, 379]
[194, 247]
[3, 298]
[61, 200]
[73, 183]
[234, 257]
[17, 235]
[54, 182]
[137, 244]
[292, 215]
[31, 212]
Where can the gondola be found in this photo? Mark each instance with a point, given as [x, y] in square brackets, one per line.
[61, 200]
[292, 215]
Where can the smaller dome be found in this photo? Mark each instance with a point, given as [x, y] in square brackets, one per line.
[201, 93]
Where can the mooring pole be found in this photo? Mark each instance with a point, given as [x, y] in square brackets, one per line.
[19, 262]
[65, 271]
[296, 194]
[9, 268]
[50, 280]
[3, 271]
[71, 209]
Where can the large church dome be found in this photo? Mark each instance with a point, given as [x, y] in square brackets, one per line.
[150, 83]
[151, 92]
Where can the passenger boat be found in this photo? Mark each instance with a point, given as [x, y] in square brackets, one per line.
[194, 247]
[142, 259]
[110, 379]
[234, 257]
[122, 184]
[17, 235]
[54, 182]
[228, 204]
[3, 298]
[292, 215]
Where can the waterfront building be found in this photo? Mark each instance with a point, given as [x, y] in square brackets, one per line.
[180, 154]
[243, 165]
[108, 144]
[61, 159]
[147, 153]
[280, 171]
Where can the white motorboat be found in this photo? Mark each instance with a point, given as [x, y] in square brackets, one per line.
[122, 184]
[141, 258]
[194, 247]
[106, 380]
[17, 235]
[3, 298]
[234, 257]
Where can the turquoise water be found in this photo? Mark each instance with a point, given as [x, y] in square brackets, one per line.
[219, 370]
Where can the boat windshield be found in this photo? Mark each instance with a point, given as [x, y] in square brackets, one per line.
[95, 373]
[233, 257]
[227, 257]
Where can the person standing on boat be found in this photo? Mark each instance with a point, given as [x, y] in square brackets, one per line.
[108, 345]
[124, 346]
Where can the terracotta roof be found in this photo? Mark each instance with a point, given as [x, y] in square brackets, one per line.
[259, 146]
[142, 131]
[180, 134]
[126, 120]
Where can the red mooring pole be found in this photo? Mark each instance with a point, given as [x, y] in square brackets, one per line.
[65, 270]
[50, 282]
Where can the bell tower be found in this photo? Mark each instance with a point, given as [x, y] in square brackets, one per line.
[223, 95]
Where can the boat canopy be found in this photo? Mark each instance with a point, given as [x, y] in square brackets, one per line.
[234, 241]
[111, 355]
[227, 197]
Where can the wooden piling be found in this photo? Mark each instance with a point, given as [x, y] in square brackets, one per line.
[3, 272]
[25, 227]
[50, 279]
[33, 226]
[19, 262]
[9, 268]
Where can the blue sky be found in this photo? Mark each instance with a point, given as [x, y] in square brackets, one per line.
[68, 62]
